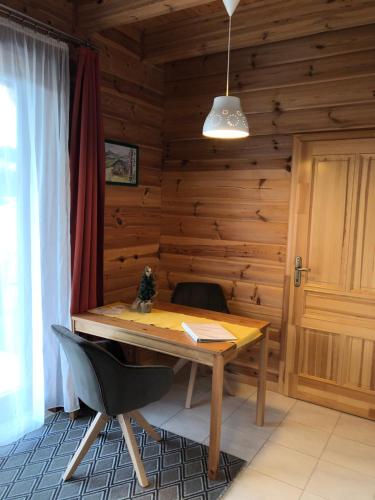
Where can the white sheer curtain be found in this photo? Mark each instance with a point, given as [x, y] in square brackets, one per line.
[34, 228]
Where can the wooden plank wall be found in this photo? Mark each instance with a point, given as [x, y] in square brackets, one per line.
[225, 204]
[203, 30]
[57, 13]
[132, 102]
[223, 214]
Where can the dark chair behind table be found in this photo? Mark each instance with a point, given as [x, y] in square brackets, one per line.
[112, 389]
[204, 296]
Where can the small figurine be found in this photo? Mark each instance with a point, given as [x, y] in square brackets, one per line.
[146, 292]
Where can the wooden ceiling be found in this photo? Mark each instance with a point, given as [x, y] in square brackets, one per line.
[180, 29]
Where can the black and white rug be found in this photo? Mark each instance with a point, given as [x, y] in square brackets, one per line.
[31, 468]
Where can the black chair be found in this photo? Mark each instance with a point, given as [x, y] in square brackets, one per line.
[112, 388]
[205, 296]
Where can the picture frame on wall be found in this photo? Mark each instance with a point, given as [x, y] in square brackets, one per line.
[121, 163]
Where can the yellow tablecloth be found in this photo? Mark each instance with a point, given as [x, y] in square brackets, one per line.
[173, 321]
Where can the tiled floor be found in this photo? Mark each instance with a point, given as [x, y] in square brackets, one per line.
[303, 452]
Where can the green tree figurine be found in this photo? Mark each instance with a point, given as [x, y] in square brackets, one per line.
[146, 291]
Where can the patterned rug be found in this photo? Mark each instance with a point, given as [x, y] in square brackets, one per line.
[31, 468]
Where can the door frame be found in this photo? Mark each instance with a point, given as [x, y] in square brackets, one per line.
[287, 354]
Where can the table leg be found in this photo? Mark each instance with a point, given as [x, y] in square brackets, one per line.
[262, 379]
[216, 406]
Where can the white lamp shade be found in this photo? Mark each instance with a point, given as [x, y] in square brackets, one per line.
[226, 120]
[231, 6]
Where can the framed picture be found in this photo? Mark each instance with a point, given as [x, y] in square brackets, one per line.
[121, 163]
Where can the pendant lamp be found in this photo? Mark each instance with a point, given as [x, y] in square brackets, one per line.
[226, 120]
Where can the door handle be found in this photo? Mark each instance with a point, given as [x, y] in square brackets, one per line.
[298, 269]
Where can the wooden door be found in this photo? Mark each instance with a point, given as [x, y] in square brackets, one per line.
[331, 324]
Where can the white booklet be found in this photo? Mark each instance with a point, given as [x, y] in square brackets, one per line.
[208, 332]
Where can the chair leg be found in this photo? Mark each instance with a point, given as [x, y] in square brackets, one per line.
[179, 365]
[193, 374]
[141, 421]
[99, 421]
[133, 449]
[227, 388]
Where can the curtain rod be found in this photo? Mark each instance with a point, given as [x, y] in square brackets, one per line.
[42, 27]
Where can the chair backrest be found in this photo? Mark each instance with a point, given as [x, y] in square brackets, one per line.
[82, 357]
[107, 385]
[203, 295]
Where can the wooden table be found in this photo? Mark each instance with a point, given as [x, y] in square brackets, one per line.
[180, 344]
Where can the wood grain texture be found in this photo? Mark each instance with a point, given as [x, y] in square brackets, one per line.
[225, 204]
[89, 438]
[57, 13]
[132, 101]
[330, 43]
[96, 16]
[331, 348]
[132, 446]
[216, 415]
[262, 380]
[255, 23]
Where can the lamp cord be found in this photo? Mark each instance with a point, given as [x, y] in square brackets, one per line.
[228, 57]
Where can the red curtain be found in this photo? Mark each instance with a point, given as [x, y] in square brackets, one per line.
[87, 184]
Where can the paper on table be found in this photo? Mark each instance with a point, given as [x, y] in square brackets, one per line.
[113, 310]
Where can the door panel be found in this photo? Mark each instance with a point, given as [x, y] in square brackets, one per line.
[364, 276]
[320, 354]
[331, 325]
[359, 363]
[328, 237]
